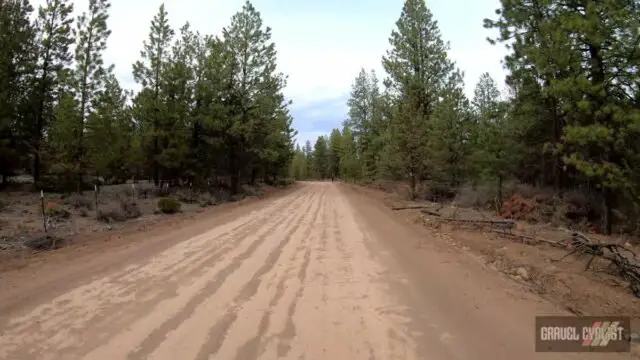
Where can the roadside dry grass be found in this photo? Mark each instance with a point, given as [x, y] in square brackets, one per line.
[69, 215]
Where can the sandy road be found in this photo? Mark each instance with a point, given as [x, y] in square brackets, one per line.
[321, 273]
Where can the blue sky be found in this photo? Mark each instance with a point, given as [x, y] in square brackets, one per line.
[322, 44]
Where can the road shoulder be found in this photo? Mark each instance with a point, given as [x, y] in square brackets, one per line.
[452, 290]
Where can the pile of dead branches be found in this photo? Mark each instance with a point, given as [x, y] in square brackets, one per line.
[624, 260]
[500, 225]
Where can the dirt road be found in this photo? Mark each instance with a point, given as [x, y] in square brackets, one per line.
[319, 273]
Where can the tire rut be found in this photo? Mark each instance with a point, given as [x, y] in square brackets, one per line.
[255, 347]
[62, 315]
[218, 332]
[286, 336]
[154, 339]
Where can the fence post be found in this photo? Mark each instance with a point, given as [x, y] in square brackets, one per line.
[95, 194]
[44, 216]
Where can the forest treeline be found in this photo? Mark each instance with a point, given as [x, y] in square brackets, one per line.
[210, 108]
[570, 120]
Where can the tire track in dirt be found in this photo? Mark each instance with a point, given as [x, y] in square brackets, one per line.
[186, 340]
[250, 224]
[228, 241]
[218, 332]
[145, 342]
[61, 324]
[253, 348]
[336, 315]
[318, 274]
[256, 346]
[289, 332]
[110, 285]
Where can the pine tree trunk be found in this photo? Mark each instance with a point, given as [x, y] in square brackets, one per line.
[36, 163]
[254, 175]
[607, 202]
[499, 193]
[414, 192]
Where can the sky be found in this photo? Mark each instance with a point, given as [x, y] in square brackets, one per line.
[321, 44]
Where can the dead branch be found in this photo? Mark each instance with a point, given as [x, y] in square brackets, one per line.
[498, 223]
[409, 207]
[429, 212]
[528, 238]
[626, 266]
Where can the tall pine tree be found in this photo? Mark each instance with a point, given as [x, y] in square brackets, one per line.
[54, 38]
[418, 68]
[91, 34]
[150, 73]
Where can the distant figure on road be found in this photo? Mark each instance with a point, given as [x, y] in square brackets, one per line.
[332, 176]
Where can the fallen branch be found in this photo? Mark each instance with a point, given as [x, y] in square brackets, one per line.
[505, 224]
[411, 207]
[497, 222]
[429, 212]
[529, 239]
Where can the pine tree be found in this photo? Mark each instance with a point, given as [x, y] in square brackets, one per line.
[334, 152]
[321, 158]
[349, 164]
[150, 73]
[16, 61]
[110, 133]
[583, 84]
[448, 142]
[178, 93]
[486, 98]
[54, 37]
[308, 154]
[92, 34]
[258, 110]
[298, 165]
[364, 120]
[417, 63]
[61, 142]
[494, 149]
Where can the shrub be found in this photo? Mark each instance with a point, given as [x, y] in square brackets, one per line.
[144, 190]
[206, 200]
[78, 201]
[44, 242]
[169, 205]
[249, 190]
[56, 211]
[161, 191]
[130, 208]
[476, 197]
[221, 195]
[186, 195]
[113, 214]
[236, 197]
